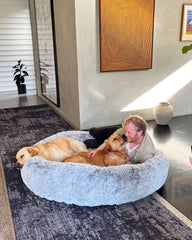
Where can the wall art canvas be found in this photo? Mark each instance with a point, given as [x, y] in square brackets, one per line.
[186, 24]
[126, 34]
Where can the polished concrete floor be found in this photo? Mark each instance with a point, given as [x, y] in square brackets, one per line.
[174, 140]
[11, 100]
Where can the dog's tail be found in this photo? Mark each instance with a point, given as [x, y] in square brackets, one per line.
[78, 146]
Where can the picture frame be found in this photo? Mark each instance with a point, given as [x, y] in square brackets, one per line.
[186, 23]
[44, 13]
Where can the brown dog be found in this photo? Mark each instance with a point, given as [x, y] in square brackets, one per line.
[55, 150]
[113, 155]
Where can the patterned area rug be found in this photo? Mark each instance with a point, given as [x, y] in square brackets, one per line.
[37, 218]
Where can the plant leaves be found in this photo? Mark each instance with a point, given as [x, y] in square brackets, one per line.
[185, 49]
[20, 73]
[25, 73]
[22, 79]
[17, 77]
[16, 72]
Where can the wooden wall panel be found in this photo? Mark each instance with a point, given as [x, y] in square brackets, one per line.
[126, 34]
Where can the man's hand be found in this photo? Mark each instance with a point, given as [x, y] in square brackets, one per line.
[91, 153]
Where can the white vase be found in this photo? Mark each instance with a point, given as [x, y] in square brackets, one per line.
[163, 113]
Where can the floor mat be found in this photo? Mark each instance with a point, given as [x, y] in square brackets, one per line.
[37, 218]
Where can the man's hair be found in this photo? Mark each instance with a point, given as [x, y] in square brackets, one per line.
[138, 121]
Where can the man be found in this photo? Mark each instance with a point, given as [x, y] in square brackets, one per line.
[139, 144]
[190, 159]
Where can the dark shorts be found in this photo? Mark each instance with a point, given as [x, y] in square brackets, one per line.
[100, 135]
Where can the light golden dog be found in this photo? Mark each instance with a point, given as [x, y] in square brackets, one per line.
[55, 150]
[114, 154]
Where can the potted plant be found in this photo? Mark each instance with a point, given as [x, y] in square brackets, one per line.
[44, 75]
[19, 76]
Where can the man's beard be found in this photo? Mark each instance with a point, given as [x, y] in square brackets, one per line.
[129, 139]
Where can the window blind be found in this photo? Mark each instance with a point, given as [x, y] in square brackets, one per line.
[15, 43]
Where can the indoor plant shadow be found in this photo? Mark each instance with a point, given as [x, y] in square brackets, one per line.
[19, 76]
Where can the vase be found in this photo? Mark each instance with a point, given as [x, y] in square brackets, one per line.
[163, 113]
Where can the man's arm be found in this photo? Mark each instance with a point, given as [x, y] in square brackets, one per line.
[93, 152]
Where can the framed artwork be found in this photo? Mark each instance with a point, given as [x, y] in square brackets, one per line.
[186, 24]
[46, 47]
[126, 34]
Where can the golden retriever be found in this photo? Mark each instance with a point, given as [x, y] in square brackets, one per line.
[114, 154]
[55, 150]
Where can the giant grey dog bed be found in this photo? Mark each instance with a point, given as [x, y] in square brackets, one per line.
[89, 185]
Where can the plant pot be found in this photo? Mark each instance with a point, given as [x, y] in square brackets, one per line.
[21, 89]
[163, 113]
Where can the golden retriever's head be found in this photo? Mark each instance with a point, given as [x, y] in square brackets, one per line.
[25, 153]
[115, 142]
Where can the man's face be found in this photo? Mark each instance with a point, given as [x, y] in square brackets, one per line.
[131, 133]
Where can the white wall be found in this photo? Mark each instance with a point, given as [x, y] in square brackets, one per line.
[91, 98]
[67, 60]
[102, 96]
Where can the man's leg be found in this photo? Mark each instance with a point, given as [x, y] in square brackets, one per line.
[100, 134]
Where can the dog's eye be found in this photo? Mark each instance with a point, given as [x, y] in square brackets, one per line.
[22, 156]
[114, 139]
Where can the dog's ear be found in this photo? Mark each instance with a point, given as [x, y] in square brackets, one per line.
[33, 151]
[108, 148]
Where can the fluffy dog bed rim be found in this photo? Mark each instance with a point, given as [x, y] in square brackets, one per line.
[88, 185]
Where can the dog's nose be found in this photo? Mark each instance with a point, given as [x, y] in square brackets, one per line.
[18, 166]
[124, 138]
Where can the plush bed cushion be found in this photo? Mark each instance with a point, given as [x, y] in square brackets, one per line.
[88, 185]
